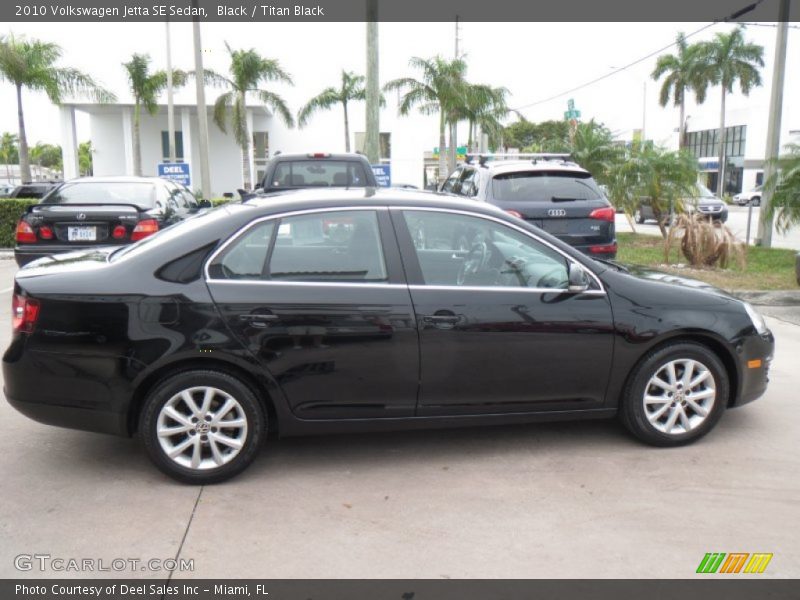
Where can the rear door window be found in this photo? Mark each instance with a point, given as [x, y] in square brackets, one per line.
[544, 186]
[318, 173]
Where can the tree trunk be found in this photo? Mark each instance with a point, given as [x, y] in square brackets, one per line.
[721, 136]
[453, 150]
[682, 126]
[246, 176]
[24, 160]
[442, 149]
[346, 129]
[137, 144]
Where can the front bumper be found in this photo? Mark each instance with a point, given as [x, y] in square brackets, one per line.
[755, 355]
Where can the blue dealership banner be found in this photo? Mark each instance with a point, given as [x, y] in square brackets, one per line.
[383, 173]
[178, 172]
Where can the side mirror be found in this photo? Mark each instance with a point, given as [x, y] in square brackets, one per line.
[578, 279]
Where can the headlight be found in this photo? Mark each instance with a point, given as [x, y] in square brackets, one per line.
[758, 321]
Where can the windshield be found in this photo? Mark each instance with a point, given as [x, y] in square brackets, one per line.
[318, 173]
[704, 192]
[141, 194]
[544, 186]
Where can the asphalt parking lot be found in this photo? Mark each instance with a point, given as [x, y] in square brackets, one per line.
[559, 500]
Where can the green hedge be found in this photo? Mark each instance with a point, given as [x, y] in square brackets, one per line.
[220, 201]
[11, 210]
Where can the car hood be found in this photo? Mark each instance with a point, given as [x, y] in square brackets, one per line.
[650, 274]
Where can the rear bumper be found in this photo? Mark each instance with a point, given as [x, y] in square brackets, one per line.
[71, 417]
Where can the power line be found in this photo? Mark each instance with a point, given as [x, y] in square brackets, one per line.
[729, 18]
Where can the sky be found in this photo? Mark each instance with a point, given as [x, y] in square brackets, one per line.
[533, 60]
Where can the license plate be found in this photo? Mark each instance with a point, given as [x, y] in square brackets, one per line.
[81, 234]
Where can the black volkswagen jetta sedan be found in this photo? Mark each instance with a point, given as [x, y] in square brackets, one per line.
[319, 311]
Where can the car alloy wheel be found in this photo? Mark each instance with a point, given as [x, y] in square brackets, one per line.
[202, 427]
[675, 395]
[679, 396]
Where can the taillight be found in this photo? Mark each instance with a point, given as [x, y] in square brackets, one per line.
[603, 249]
[25, 233]
[514, 213]
[46, 232]
[144, 228]
[24, 313]
[604, 214]
[119, 232]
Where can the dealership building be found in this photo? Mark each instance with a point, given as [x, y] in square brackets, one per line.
[111, 133]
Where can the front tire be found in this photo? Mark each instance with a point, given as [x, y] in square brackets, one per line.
[202, 426]
[675, 395]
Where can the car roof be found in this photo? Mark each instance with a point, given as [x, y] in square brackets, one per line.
[312, 198]
[118, 179]
[515, 166]
[325, 156]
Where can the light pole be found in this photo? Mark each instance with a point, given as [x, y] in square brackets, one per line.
[372, 141]
[170, 103]
[202, 115]
[764, 236]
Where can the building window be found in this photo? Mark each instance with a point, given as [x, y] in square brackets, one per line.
[165, 146]
[706, 143]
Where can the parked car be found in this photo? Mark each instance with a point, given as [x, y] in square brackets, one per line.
[545, 190]
[753, 197]
[315, 170]
[316, 312]
[97, 211]
[704, 203]
[6, 189]
[34, 189]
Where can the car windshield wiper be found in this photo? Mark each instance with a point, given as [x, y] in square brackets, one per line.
[613, 263]
[563, 199]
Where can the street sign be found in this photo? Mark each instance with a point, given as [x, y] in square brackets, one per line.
[383, 173]
[178, 172]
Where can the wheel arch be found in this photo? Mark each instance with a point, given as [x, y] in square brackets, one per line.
[710, 341]
[257, 385]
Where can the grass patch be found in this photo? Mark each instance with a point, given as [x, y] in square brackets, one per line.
[766, 268]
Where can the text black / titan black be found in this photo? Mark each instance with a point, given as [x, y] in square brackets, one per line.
[354, 310]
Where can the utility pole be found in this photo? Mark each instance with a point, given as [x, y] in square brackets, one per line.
[202, 114]
[372, 142]
[458, 30]
[170, 103]
[452, 151]
[764, 237]
[644, 110]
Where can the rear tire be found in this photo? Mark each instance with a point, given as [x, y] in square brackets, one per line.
[756, 201]
[202, 426]
[639, 217]
[675, 395]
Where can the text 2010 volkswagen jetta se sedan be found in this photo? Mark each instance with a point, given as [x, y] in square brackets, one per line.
[316, 312]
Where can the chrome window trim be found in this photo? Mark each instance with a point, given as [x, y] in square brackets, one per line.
[503, 288]
[601, 288]
[245, 228]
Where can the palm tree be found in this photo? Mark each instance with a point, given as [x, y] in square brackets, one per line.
[350, 89]
[483, 107]
[593, 148]
[683, 73]
[665, 178]
[8, 152]
[726, 60]
[248, 69]
[31, 64]
[146, 87]
[785, 188]
[438, 91]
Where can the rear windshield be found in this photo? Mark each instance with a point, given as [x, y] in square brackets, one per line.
[544, 186]
[141, 194]
[322, 173]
